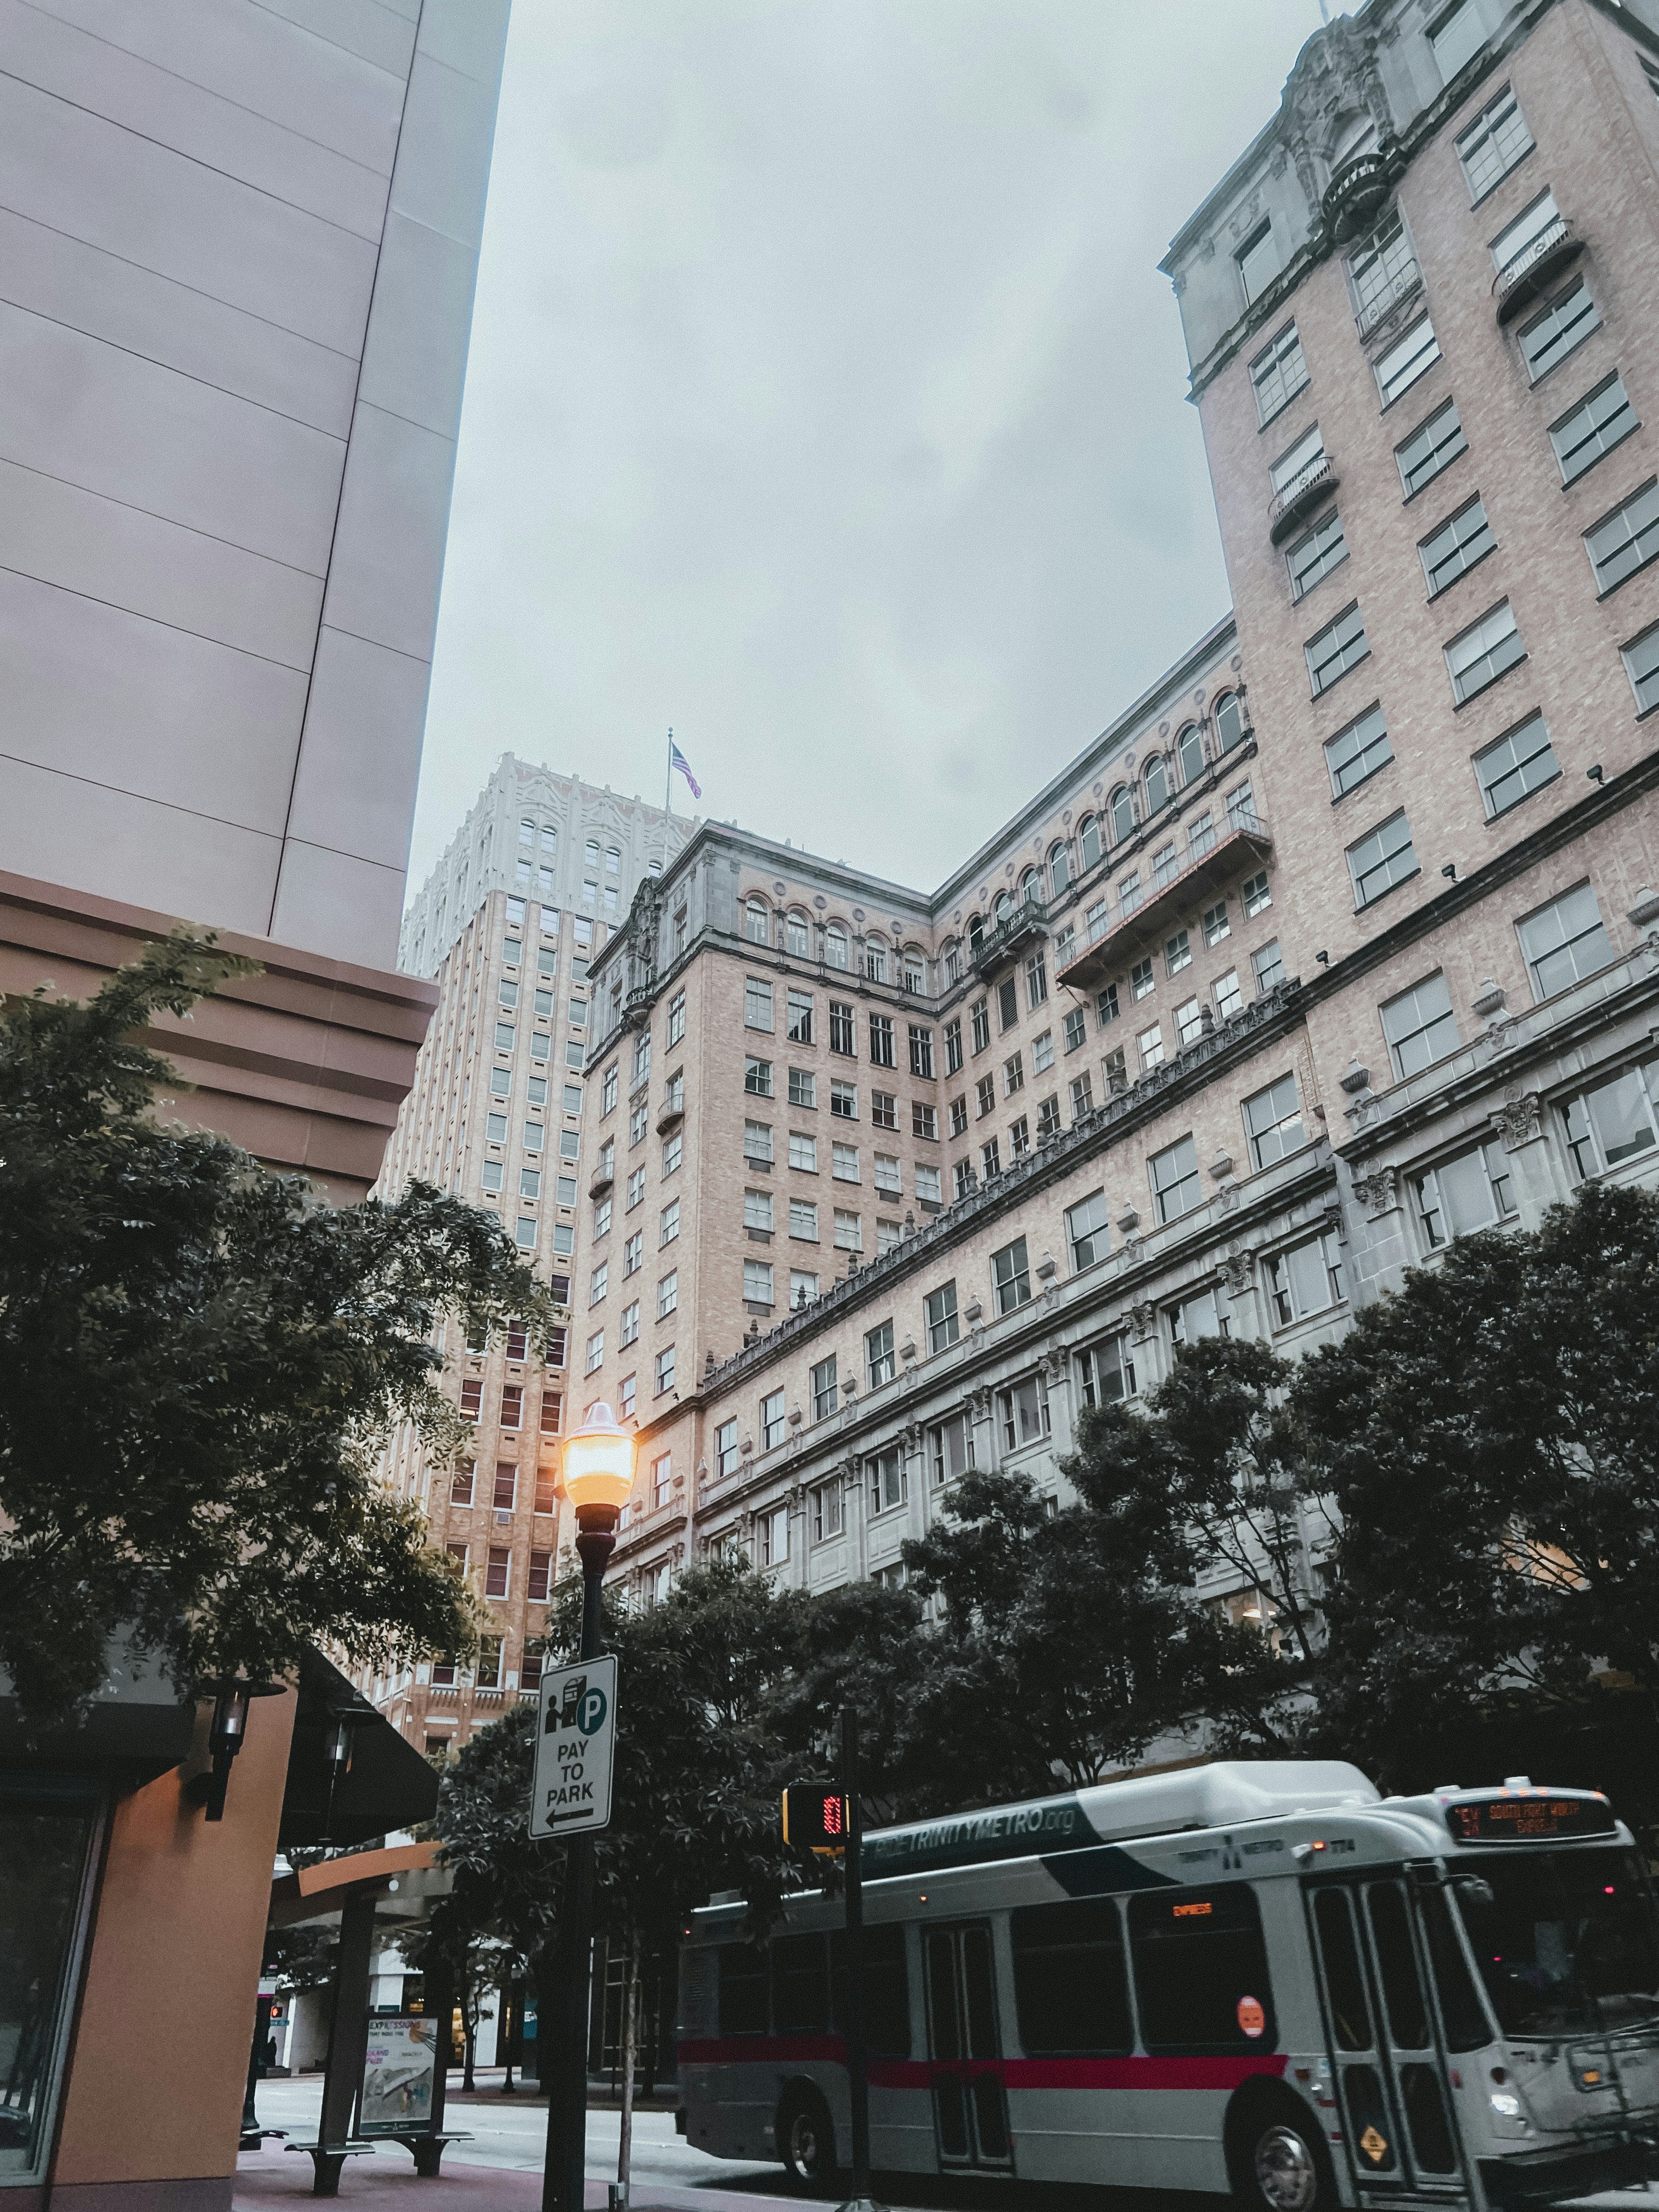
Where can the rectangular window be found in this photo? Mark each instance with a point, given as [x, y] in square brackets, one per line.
[757, 1005]
[940, 1307]
[596, 1283]
[1613, 1122]
[1564, 324]
[665, 1370]
[953, 1047]
[1209, 1314]
[1105, 1008]
[1457, 39]
[505, 1486]
[670, 1228]
[1431, 448]
[840, 1028]
[1082, 1094]
[757, 1282]
[958, 1116]
[1070, 1981]
[1627, 540]
[1228, 997]
[1307, 1279]
[1602, 419]
[799, 1022]
[1315, 553]
[668, 1294]
[1106, 1371]
[1088, 1233]
[884, 1109]
[844, 1101]
[1338, 648]
[757, 1077]
[1455, 547]
[803, 1153]
[1419, 1025]
[595, 1350]
[1036, 980]
[725, 1449]
[1521, 762]
[1178, 952]
[962, 1178]
[844, 1163]
[757, 1142]
[930, 1186]
[1278, 373]
[887, 1175]
[849, 1231]
[1565, 941]
[825, 1394]
[979, 1018]
[628, 1333]
[1273, 1121]
[804, 1218]
[494, 1174]
[1117, 1074]
[1008, 1003]
[1470, 1192]
[1641, 659]
[497, 1568]
[803, 1087]
[757, 1210]
[881, 1039]
[1019, 1138]
[1013, 1075]
[1011, 1275]
[803, 1287]
[990, 1157]
[676, 1017]
[950, 1449]
[985, 1093]
[1258, 261]
[633, 1253]
[878, 1360]
[1519, 242]
[1491, 145]
[1382, 859]
[1023, 1412]
[921, 1050]
[1175, 1186]
[1357, 752]
[1149, 1043]
[829, 1503]
[924, 1119]
[1297, 465]
[772, 1421]
[1399, 369]
[1076, 1028]
[1188, 1021]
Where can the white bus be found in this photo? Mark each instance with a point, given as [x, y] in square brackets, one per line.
[1254, 1977]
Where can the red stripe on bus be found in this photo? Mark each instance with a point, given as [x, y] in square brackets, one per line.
[1131, 2073]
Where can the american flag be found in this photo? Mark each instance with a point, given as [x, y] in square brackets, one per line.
[677, 760]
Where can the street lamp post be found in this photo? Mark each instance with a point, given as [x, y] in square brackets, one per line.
[599, 1481]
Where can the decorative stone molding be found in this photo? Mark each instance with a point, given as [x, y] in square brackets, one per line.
[1222, 1166]
[1358, 1078]
[1488, 999]
[1238, 1270]
[1378, 1192]
[1646, 908]
[1143, 1322]
[1519, 1121]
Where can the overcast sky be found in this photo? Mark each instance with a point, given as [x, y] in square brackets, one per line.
[825, 402]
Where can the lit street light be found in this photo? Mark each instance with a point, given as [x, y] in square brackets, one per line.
[598, 1479]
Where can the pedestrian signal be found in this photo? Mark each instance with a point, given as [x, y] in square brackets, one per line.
[816, 1818]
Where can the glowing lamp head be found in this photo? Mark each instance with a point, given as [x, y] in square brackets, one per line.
[599, 1461]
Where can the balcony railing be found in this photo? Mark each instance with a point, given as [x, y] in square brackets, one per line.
[1023, 924]
[1403, 285]
[1354, 195]
[1535, 268]
[1246, 837]
[1308, 488]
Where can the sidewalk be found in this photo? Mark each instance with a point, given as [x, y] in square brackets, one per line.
[275, 2176]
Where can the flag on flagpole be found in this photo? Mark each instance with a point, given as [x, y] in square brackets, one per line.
[677, 760]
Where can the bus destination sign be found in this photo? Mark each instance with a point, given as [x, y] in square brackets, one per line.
[1529, 1816]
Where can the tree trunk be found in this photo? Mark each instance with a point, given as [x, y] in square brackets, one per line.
[630, 2018]
[470, 2032]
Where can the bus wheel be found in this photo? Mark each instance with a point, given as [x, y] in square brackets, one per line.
[807, 2140]
[1278, 2162]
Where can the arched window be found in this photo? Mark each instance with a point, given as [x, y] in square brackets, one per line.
[1059, 869]
[1089, 840]
[549, 838]
[1155, 781]
[875, 959]
[1030, 888]
[1229, 721]
[653, 867]
[526, 833]
[755, 920]
[1005, 906]
[975, 931]
[953, 960]
[612, 860]
[1189, 750]
[834, 945]
[1123, 814]
[916, 968]
[797, 934]
[592, 852]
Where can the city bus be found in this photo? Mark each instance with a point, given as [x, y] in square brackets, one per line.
[1252, 1977]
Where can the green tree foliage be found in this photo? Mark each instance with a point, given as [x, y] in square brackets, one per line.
[198, 1363]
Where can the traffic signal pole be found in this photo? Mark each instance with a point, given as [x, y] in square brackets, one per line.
[858, 2079]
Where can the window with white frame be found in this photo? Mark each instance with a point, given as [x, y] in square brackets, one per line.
[878, 1360]
[1419, 1025]
[803, 1087]
[725, 1449]
[1257, 261]
[1189, 1021]
[1149, 1042]
[1613, 1122]
[843, 1101]
[804, 1218]
[1278, 373]
[950, 1449]
[844, 1163]
[597, 1282]
[1010, 1276]
[1518, 763]
[1297, 466]
[1268, 966]
[773, 1422]
[1626, 540]
[885, 1470]
[665, 1370]
[1384, 858]
[1457, 38]
[829, 1510]
[887, 1175]
[757, 1005]
[1088, 1231]
[1469, 1192]
[1332, 651]
[757, 1210]
[668, 1294]
[1408, 359]
[630, 1331]
[930, 1185]
[1521, 242]
[1208, 1313]
[1489, 147]
[669, 1228]
[1229, 999]
[1315, 553]
[1174, 1176]
[1565, 941]
[1433, 446]
[1641, 659]
[1357, 752]
[677, 1018]
[757, 1142]
[939, 1313]
[849, 1231]
[595, 1352]
[757, 1282]
[803, 1287]
[1450, 551]
[1592, 427]
[1563, 325]
[757, 921]
[1273, 1121]
[1023, 1412]
[1107, 1372]
[826, 1395]
[803, 1153]
[1305, 1280]
[1380, 268]
[1255, 894]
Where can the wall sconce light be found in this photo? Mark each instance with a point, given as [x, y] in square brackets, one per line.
[1594, 774]
[226, 1737]
[1449, 872]
[1323, 959]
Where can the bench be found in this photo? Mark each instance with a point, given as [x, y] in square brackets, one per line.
[329, 2158]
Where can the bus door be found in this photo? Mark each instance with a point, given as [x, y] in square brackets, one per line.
[1391, 2088]
[970, 2110]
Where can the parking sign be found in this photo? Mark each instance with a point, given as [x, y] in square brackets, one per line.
[574, 1747]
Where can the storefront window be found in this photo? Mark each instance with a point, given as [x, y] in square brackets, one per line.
[44, 1844]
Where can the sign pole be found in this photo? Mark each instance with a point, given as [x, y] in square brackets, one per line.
[857, 2054]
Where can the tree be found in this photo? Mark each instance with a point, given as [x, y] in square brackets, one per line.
[198, 1363]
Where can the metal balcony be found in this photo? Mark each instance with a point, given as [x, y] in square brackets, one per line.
[1245, 838]
[1024, 924]
[1355, 196]
[1310, 488]
[1400, 287]
[1535, 269]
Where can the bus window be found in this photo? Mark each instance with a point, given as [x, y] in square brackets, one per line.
[1403, 1989]
[1071, 1986]
[1349, 2014]
[1466, 2027]
[1201, 1969]
[800, 1985]
[742, 1989]
[886, 1990]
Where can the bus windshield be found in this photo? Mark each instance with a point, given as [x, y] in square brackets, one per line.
[1566, 1941]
